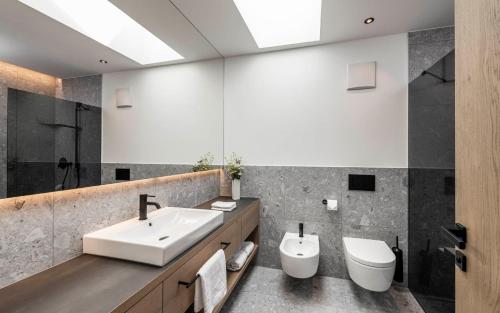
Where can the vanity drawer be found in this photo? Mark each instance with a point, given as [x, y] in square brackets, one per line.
[177, 298]
[249, 221]
[231, 235]
[151, 303]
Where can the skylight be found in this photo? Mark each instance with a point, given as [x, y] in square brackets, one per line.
[108, 25]
[281, 22]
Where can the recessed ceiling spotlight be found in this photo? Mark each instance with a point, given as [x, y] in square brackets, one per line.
[369, 20]
[103, 61]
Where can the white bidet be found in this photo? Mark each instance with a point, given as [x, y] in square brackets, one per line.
[300, 255]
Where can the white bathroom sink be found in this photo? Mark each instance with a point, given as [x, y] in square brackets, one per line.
[164, 235]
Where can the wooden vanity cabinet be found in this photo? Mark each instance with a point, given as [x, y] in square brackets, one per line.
[151, 303]
[94, 284]
[171, 297]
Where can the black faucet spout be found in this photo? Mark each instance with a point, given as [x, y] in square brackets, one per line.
[143, 206]
[301, 230]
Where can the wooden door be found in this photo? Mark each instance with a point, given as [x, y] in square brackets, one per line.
[477, 29]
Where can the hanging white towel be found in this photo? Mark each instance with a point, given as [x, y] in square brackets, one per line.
[237, 261]
[211, 285]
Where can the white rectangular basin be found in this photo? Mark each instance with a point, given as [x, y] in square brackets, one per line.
[164, 235]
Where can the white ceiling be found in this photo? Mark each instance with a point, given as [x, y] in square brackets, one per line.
[197, 29]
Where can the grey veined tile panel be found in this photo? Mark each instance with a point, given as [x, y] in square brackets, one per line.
[270, 290]
[42, 230]
[266, 183]
[380, 215]
[428, 47]
[207, 187]
[143, 171]
[85, 89]
[431, 35]
[3, 141]
[306, 187]
[25, 237]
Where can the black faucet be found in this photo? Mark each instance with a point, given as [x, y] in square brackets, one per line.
[301, 230]
[143, 206]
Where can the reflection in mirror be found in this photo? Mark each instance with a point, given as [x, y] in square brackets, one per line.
[62, 134]
[53, 144]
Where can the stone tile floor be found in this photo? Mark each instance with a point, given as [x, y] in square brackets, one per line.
[265, 289]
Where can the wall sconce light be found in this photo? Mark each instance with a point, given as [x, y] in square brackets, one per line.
[123, 98]
[361, 76]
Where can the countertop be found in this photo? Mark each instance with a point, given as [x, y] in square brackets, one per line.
[94, 284]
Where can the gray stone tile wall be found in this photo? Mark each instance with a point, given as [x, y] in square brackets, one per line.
[427, 47]
[3, 141]
[291, 195]
[43, 230]
[142, 171]
[87, 89]
[264, 289]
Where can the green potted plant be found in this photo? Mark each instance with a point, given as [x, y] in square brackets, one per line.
[204, 163]
[234, 170]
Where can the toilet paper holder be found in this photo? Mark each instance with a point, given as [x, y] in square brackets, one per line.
[331, 205]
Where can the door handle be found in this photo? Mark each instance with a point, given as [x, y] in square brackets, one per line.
[456, 235]
[460, 258]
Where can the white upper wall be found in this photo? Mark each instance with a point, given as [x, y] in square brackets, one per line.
[176, 115]
[292, 107]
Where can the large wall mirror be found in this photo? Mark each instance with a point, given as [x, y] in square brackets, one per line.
[124, 125]
[77, 110]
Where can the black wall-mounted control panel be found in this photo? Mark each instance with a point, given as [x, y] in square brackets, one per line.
[362, 182]
[122, 174]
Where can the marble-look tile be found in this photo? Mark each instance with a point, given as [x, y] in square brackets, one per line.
[373, 215]
[180, 192]
[80, 211]
[25, 237]
[271, 234]
[428, 47]
[83, 89]
[142, 171]
[207, 187]
[270, 290]
[383, 208]
[431, 35]
[3, 141]
[361, 300]
[405, 300]
[266, 183]
[225, 185]
[305, 189]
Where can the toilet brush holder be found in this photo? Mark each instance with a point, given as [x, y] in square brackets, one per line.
[398, 274]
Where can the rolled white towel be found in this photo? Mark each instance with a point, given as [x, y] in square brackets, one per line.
[247, 246]
[237, 261]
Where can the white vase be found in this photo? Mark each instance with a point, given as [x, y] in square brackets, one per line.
[236, 189]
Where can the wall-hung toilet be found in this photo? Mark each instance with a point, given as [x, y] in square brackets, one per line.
[370, 263]
[300, 255]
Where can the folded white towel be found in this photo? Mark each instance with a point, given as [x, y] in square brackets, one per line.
[237, 261]
[211, 285]
[223, 206]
